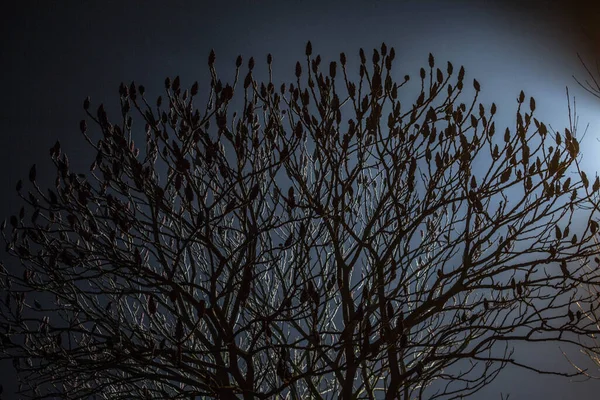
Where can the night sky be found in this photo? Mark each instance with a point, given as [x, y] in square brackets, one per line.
[54, 54]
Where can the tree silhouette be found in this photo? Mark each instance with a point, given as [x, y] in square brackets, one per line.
[591, 348]
[286, 251]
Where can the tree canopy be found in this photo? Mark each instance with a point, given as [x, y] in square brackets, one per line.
[326, 238]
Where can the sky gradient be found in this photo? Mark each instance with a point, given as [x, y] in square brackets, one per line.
[54, 54]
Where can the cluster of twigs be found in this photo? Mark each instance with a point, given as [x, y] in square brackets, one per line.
[289, 251]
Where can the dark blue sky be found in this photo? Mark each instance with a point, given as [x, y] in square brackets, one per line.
[54, 54]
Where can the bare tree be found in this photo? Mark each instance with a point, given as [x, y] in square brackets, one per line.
[591, 348]
[591, 83]
[287, 252]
